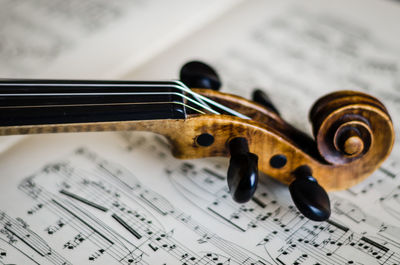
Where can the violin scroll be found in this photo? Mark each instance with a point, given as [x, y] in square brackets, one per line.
[347, 125]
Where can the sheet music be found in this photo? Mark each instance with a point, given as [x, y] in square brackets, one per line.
[106, 198]
[122, 199]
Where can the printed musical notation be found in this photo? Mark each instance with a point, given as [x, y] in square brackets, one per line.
[141, 206]
[127, 225]
[86, 209]
[354, 235]
[301, 241]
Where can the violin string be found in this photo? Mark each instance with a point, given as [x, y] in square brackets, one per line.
[109, 94]
[190, 107]
[103, 104]
[212, 102]
[136, 84]
[161, 84]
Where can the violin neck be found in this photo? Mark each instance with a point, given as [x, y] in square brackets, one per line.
[53, 102]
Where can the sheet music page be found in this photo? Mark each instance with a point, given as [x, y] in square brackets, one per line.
[96, 38]
[110, 198]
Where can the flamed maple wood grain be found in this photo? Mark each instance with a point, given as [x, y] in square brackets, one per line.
[354, 134]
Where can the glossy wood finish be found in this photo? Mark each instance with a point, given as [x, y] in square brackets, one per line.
[353, 130]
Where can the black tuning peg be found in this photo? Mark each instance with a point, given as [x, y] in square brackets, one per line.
[308, 196]
[262, 98]
[196, 74]
[242, 171]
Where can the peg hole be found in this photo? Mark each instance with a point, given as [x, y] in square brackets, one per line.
[278, 161]
[205, 139]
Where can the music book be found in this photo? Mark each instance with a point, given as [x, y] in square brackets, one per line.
[122, 198]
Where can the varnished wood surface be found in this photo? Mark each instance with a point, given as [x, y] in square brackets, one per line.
[269, 135]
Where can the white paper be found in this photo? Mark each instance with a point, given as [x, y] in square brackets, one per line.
[71, 194]
[95, 39]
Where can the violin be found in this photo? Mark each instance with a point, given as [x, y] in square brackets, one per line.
[353, 132]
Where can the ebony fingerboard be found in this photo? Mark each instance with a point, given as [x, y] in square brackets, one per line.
[37, 102]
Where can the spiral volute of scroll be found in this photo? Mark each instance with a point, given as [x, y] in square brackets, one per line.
[349, 125]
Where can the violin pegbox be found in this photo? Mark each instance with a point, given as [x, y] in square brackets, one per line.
[242, 173]
[353, 136]
[308, 196]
